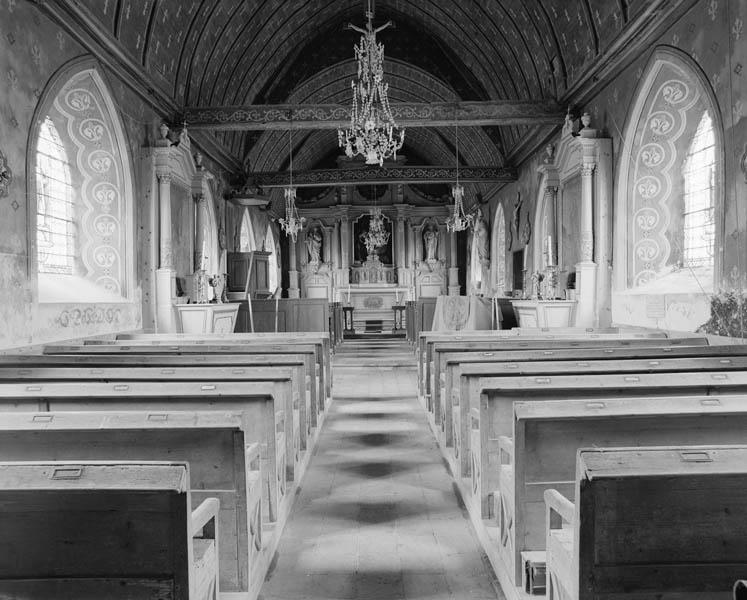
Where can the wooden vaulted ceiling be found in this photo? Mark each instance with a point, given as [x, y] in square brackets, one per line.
[209, 53]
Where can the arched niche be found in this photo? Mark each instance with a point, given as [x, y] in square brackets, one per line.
[671, 100]
[77, 157]
[498, 252]
[654, 284]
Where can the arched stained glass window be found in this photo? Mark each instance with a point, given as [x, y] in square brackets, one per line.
[699, 175]
[272, 261]
[56, 227]
[246, 234]
[82, 187]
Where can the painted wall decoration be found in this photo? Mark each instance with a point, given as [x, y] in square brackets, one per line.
[6, 176]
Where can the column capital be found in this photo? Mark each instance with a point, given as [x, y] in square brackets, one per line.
[164, 176]
[587, 168]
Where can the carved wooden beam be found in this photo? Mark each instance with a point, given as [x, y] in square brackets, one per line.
[382, 175]
[335, 116]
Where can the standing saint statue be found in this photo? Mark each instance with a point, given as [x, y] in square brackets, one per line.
[430, 238]
[314, 245]
[481, 237]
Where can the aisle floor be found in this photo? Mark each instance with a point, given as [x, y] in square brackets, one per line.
[377, 516]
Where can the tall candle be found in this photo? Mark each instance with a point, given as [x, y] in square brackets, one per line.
[348, 292]
[396, 296]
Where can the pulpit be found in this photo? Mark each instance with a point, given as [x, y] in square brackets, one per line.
[544, 313]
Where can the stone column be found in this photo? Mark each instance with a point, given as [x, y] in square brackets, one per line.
[550, 243]
[345, 248]
[399, 241]
[165, 276]
[336, 245]
[453, 265]
[293, 291]
[410, 246]
[586, 269]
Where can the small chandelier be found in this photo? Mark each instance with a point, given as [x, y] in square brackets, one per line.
[291, 224]
[377, 235]
[459, 220]
[372, 132]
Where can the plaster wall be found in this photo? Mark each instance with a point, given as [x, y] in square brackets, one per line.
[32, 50]
[714, 34]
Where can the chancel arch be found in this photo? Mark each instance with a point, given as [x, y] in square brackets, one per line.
[80, 210]
[670, 190]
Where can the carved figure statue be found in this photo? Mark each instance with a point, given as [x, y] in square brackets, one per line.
[516, 221]
[430, 238]
[314, 245]
[481, 237]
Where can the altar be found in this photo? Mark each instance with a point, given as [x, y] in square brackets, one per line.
[544, 313]
[373, 303]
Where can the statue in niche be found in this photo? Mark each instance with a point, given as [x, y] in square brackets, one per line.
[481, 237]
[314, 245]
[430, 239]
[516, 221]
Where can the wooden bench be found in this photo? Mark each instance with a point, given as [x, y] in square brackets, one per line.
[431, 364]
[440, 349]
[466, 396]
[264, 420]
[223, 463]
[320, 340]
[650, 523]
[494, 418]
[450, 385]
[281, 377]
[237, 363]
[93, 530]
[541, 454]
[426, 340]
[308, 351]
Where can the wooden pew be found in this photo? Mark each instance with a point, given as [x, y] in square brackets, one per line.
[494, 418]
[450, 386]
[740, 589]
[471, 378]
[541, 453]
[253, 350]
[93, 530]
[427, 339]
[297, 362]
[281, 377]
[431, 345]
[439, 349]
[223, 463]
[650, 523]
[264, 419]
[321, 341]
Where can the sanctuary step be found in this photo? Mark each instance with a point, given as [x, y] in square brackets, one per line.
[373, 352]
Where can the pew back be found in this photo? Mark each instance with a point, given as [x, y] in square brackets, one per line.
[547, 434]
[64, 525]
[660, 522]
[264, 421]
[223, 464]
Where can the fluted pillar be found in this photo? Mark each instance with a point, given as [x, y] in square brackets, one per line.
[165, 276]
[586, 269]
[293, 290]
[453, 265]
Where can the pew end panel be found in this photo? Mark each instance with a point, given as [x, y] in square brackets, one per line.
[65, 523]
[559, 524]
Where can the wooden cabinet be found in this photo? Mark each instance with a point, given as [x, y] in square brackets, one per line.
[248, 273]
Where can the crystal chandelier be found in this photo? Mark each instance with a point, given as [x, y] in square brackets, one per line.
[459, 220]
[291, 224]
[372, 132]
[377, 235]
